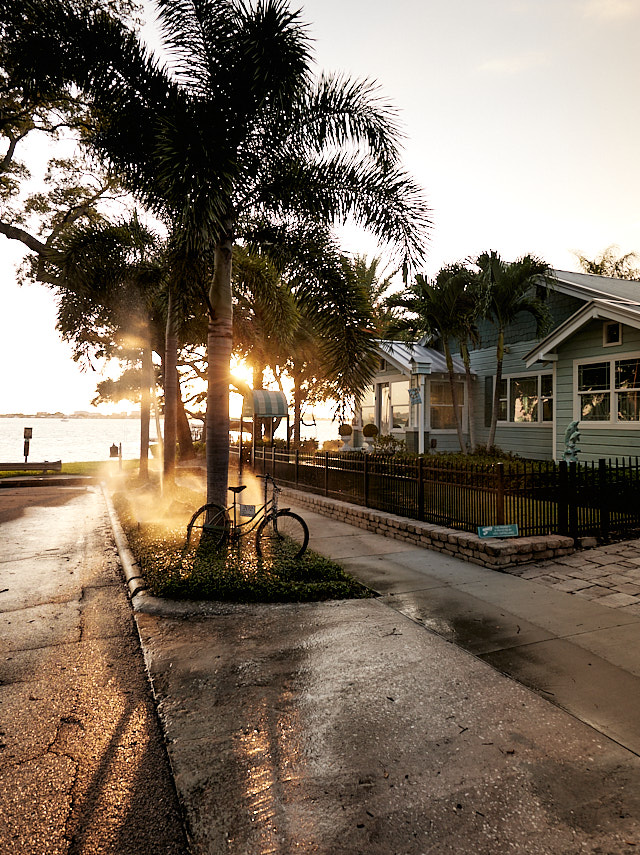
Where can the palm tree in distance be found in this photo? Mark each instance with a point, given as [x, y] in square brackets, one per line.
[444, 310]
[234, 127]
[512, 289]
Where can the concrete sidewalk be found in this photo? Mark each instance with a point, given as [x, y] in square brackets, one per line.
[385, 725]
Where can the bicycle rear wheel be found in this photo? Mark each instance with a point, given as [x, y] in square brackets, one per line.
[285, 534]
[209, 525]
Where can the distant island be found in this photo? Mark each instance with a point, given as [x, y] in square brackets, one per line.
[77, 415]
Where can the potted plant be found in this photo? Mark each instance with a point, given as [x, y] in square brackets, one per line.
[345, 432]
[369, 432]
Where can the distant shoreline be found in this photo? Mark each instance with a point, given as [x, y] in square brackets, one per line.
[69, 416]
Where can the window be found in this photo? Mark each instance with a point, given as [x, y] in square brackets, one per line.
[593, 391]
[383, 403]
[609, 391]
[523, 399]
[442, 415]
[546, 396]
[367, 406]
[400, 404]
[628, 389]
[611, 333]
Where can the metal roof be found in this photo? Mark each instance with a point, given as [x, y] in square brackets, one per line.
[589, 287]
[400, 354]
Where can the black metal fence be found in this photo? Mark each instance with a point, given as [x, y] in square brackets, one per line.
[600, 499]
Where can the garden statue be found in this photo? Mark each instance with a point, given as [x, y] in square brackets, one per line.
[571, 438]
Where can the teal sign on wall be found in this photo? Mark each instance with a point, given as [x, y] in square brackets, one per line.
[498, 530]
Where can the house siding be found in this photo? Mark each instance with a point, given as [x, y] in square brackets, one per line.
[534, 441]
[561, 307]
[595, 442]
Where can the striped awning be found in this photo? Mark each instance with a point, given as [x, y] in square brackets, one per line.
[259, 402]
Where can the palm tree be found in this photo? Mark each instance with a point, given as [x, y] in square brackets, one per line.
[445, 310]
[610, 262]
[377, 284]
[236, 126]
[512, 289]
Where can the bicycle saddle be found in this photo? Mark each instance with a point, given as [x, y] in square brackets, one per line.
[238, 489]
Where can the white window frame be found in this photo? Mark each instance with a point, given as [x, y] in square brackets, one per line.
[539, 422]
[605, 327]
[613, 393]
[444, 378]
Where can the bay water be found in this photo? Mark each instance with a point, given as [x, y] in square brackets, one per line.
[80, 439]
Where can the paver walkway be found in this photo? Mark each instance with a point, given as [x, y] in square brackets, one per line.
[609, 575]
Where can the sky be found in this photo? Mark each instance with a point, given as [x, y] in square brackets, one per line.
[521, 120]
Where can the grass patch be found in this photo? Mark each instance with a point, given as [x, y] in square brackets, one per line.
[97, 468]
[233, 573]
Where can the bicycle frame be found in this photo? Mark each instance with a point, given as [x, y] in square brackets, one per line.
[268, 509]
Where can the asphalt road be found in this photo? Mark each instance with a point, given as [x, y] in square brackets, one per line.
[83, 765]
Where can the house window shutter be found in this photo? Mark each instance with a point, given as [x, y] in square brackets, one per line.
[488, 400]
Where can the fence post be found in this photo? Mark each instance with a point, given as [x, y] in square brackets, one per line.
[603, 489]
[297, 466]
[326, 473]
[563, 498]
[421, 489]
[366, 480]
[500, 494]
[273, 460]
[573, 501]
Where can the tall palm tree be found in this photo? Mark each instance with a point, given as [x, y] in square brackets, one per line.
[377, 283]
[237, 125]
[444, 310]
[512, 289]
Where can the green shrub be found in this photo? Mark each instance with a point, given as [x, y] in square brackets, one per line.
[233, 573]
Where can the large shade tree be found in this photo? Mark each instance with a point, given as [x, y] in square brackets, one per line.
[233, 125]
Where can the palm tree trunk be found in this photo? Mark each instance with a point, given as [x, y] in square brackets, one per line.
[145, 410]
[170, 391]
[297, 408]
[219, 344]
[496, 390]
[183, 429]
[454, 397]
[471, 406]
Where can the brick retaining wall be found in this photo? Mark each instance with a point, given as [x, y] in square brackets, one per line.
[494, 553]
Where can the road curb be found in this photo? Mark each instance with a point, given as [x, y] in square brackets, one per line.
[145, 602]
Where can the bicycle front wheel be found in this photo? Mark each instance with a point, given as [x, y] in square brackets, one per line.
[285, 534]
[209, 525]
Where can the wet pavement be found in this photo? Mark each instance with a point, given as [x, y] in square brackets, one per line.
[83, 766]
[382, 726]
[390, 725]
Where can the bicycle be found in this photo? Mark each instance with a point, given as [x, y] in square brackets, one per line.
[212, 524]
